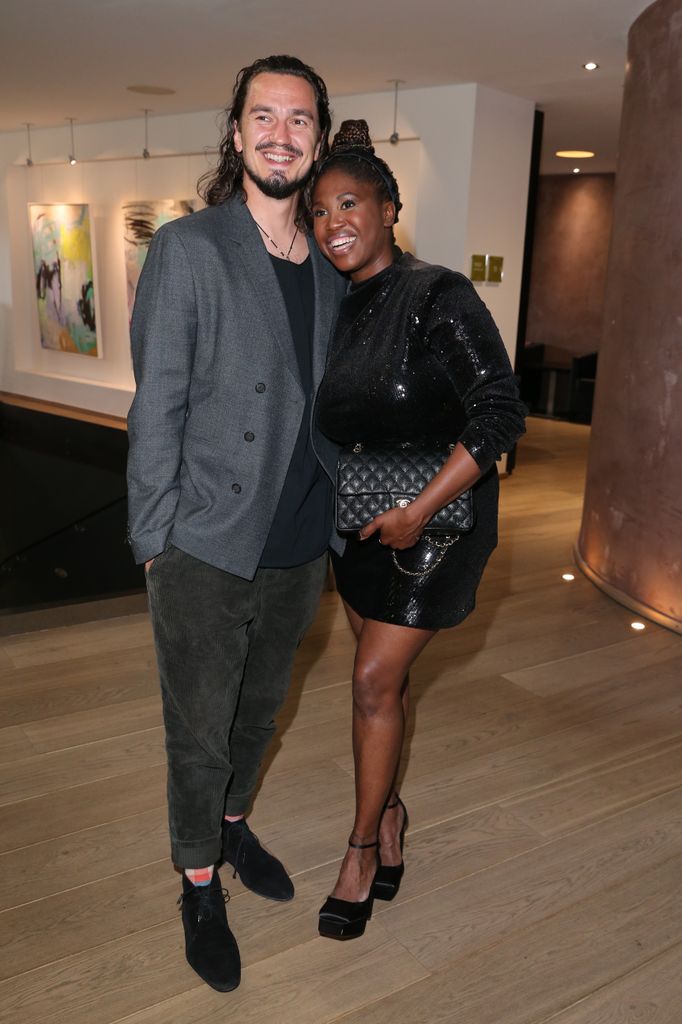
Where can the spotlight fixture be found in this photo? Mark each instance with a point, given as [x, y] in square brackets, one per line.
[574, 154]
[591, 66]
[394, 137]
[72, 153]
[576, 170]
[568, 576]
[29, 158]
[145, 152]
[638, 626]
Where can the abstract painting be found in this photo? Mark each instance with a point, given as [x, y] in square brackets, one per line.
[62, 263]
[141, 220]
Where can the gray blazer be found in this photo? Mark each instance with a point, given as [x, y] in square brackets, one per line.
[219, 400]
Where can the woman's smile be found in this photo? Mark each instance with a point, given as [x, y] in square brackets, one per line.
[342, 243]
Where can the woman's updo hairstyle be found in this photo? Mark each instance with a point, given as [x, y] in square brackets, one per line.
[353, 152]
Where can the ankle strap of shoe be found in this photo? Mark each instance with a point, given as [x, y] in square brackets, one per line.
[363, 846]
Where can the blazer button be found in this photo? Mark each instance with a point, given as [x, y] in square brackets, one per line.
[248, 436]
[236, 489]
[260, 388]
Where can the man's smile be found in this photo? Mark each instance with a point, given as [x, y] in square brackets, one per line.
[278, 158]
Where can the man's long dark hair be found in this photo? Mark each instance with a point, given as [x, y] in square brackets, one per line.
[226, 180]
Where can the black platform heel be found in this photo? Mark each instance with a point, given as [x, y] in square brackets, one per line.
[344, 919]
[388, 877]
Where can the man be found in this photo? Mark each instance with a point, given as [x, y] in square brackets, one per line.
[230, 509]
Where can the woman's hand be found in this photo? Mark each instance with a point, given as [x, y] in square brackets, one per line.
[398, 528]
[402, 527]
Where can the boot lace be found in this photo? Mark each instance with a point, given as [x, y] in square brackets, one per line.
[205, 898]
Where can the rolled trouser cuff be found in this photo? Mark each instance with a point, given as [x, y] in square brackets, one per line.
[199, 853]
[235, 804]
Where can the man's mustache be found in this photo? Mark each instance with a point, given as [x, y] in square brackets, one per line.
[281, 146]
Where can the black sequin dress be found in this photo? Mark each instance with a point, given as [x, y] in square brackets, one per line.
[416, 355]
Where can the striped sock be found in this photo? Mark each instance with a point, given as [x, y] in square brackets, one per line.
[199, 876]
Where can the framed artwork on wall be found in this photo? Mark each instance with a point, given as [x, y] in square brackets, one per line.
[140, 221]
[64, 280]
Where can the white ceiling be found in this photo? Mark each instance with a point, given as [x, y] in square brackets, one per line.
[61, 58]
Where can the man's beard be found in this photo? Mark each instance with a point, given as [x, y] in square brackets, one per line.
[276, 186]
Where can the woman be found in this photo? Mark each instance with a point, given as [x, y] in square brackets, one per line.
[415, 355]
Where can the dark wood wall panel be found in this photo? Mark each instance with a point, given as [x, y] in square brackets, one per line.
[570, 253]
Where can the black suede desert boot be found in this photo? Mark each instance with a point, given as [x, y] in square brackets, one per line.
[259, 870]
[210, 946]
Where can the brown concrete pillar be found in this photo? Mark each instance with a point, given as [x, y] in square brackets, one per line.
[630, 541]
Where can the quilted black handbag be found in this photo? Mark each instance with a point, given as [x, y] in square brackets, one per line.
[373, 478]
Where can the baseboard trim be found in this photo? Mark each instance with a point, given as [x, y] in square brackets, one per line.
[69, 412]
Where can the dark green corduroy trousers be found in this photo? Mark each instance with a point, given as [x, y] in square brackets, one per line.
[225, 648]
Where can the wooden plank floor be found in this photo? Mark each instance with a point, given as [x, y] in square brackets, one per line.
[542, 774]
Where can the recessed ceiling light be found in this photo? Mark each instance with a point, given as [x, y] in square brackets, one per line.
[639, 626]
[576, 170]
[591, 66]
[151, 90]
[574, 154]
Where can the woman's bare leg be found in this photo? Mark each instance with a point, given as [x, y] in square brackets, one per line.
[383, 658]
[393, 818]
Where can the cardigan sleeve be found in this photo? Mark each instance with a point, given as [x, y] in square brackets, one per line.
[463, 335]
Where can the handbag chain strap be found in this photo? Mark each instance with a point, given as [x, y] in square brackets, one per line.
[441, 543]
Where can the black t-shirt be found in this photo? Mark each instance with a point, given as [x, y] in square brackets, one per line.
[302, 524]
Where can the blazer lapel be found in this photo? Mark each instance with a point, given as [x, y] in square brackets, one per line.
[326, 304]
[258, 271]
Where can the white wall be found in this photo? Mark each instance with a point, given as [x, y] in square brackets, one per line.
[464, 183]
[496, 211]
[406, 162]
